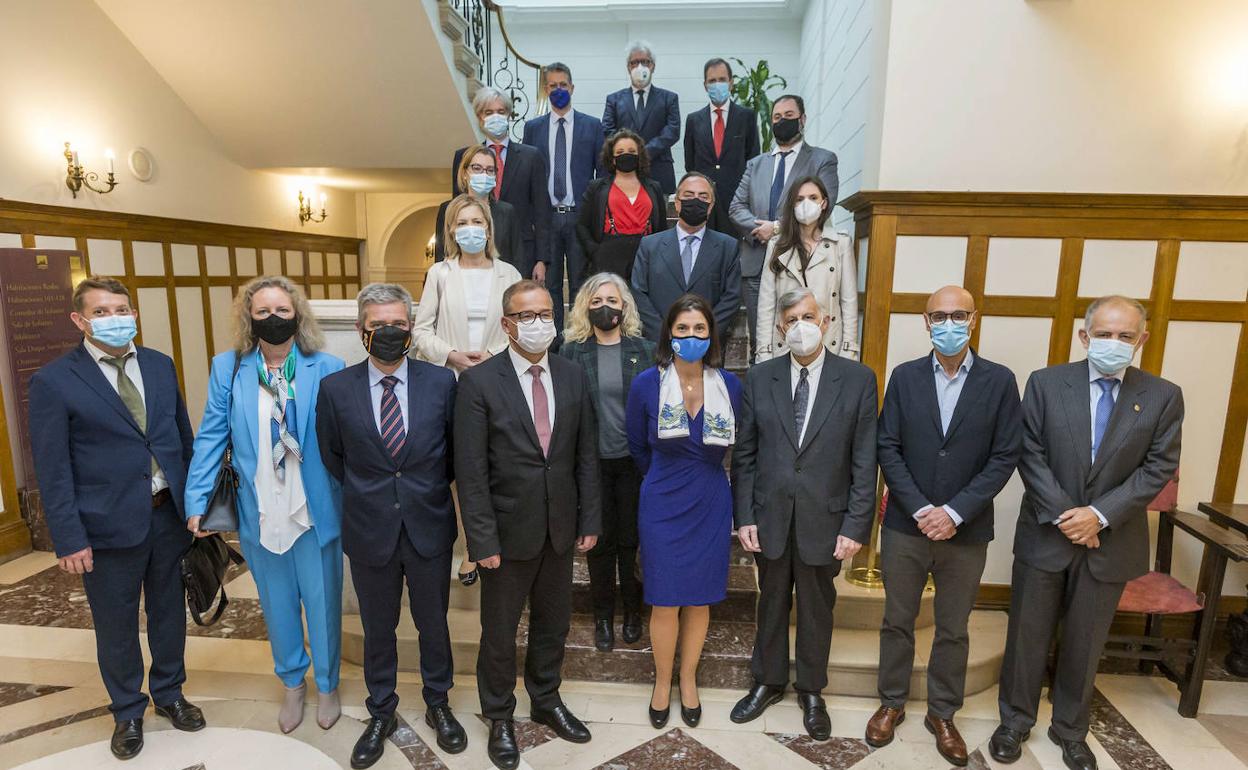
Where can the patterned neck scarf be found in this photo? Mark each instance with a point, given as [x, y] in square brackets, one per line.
[282, 425]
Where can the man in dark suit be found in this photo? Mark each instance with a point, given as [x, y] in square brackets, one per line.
[521, 179]
[1100, 440]
[949, 440]
[111, 451]
[526, 456]
[803, 480]
[755, 207]
[384, 426]
[719, 139]
[688, 258]
[652, 112]
[571, 143]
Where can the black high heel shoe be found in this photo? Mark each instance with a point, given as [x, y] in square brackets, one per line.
[691, 716]
[468, 578]
[658, 719]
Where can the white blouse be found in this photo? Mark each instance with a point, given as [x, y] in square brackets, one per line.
[283, 505]
[477, 299]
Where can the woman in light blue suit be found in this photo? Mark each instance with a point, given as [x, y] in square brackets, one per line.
[289, 508]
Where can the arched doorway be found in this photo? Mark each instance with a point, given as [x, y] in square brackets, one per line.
[409, 249]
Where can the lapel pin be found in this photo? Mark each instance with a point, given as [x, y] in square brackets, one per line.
[1137, 407]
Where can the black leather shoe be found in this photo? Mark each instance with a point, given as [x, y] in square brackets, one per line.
[1006, 745]
[691, 716]
[563, 722]
[183, 715]
[502, 748]
[604, 635]
[468, 578]
[127, 739]
[1075, 754]
[658, 719]
[372, 743]
[632, 627]
[755, 702]
[815, 716]
[451, 736]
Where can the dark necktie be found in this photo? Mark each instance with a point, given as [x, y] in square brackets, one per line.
[777, 187]
[801, 397]
[1104, 408]
[541, 409]
[641, 106]
[561, 161]
[392, 432]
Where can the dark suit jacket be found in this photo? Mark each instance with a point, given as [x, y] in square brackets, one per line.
[825, 487]
[507, 237]
[1138, 455]
[524, 187]
[92, 461]
[585, 151]
[381, 494]
[659, 126]
[593, 212]
[740, 144]
[965, 468]
[658, 279]
[638, 355]
[512, 498]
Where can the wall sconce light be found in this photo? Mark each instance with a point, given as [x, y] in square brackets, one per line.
[76, 178]
[305, 210]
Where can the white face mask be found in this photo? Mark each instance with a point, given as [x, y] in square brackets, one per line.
[803, 338]
[807, 211]
[495, 125]
[640, 76]
[535, 337]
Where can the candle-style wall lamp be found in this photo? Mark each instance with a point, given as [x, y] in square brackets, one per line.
[305, 209]
[76, 178]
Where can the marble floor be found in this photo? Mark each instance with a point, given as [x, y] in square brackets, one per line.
[53, 712]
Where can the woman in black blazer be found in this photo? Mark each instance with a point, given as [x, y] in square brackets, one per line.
[507, 238]
[619, 209]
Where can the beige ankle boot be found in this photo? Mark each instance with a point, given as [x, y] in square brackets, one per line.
[327, 709]
[291, 713]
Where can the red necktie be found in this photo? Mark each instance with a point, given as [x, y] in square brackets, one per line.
[541, 409]
[498, 160]
[719, 131]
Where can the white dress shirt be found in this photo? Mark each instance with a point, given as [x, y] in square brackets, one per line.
[789, 160]
[948, 391]
[135, 374]
[813, 370]
[376, 389]
[522, 365]
[698, 235]
[634, 89]
[569, 198]
[283, 505]
[1094, 394]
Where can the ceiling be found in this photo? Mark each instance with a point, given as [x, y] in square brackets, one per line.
[360, 92]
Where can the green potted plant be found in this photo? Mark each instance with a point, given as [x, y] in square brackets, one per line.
[752, 88]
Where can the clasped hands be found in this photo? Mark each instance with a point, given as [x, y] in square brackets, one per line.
[936, 523]
[583, 544]
[748, 535]
[1081, 526]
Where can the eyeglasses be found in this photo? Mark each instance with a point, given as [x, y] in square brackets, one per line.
[476, 169]
[527, 317]
[957, 316]
[637, 62]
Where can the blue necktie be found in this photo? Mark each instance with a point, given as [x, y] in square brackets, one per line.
[1104, 407]
[777, 187]
[392, 433]
[561, 162]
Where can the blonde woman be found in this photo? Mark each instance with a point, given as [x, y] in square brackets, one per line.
[262, 401]
[805, 254]
[604, 336]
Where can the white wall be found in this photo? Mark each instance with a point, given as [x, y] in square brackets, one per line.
[70, 75]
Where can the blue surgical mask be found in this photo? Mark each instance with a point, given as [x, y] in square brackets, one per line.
[949, 337]
[495, 125]
[691, 349]
[471, 239]
[1110, 356]
[718, 92]
[560, 98]
[481, 184]
[115, 331]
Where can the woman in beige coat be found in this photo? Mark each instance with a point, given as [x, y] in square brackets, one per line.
[805, 254]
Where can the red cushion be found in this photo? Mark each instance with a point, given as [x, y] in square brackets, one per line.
[1168, 498]
[1158, 594]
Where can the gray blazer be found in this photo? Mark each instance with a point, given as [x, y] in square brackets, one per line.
[754, 195]
[825, 487]
[1138, 455]
[658, 279]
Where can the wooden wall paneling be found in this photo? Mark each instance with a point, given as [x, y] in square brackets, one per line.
[127, 259]
[233, 270]
[171, 294]
[975, 275]
[1068, 270]
[28, 240]
[1164, 270]
[209, 341]
[1232, 451]
[881, 250]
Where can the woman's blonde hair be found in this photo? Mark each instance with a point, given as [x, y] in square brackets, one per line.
[580, 329]
[457, 205]
[308, 336]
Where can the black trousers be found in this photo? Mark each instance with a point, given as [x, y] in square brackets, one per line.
[617, 546]
[545, 583]
[380, 593]
[564, 243]
[113, 588]
[816, 597]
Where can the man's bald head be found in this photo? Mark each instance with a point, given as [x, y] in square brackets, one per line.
[948, 299]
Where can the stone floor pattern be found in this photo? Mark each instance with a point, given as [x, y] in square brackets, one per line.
[53, 711]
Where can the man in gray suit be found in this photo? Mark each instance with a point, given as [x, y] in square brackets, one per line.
[803, 480]
[755, 209]
[689, 258]
[1100, 440]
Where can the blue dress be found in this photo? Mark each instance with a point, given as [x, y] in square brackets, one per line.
[684, 520]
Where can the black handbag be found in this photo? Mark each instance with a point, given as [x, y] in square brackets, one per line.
[203, 567]
[221, 514]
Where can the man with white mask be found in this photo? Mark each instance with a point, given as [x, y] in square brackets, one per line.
[528, 493]
[652, 112]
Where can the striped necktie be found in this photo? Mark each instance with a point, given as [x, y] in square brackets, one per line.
[392, 433]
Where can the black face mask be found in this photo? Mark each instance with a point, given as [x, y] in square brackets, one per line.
[627, 162]
[387, 344]
[605, 317]
[786, 130]
[274, 329]
[693, 211]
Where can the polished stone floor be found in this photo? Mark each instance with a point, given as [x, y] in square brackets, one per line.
[53, 711]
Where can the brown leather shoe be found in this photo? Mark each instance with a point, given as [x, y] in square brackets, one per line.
[948, 741]
[882, 724]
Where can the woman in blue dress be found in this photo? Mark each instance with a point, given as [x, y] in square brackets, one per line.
[681, 420]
